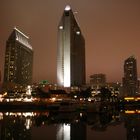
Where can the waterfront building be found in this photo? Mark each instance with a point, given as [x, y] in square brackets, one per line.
[115, 89]
[130, 81]
[98, 79]
[18, 59]
[96, 82]
[71, 51]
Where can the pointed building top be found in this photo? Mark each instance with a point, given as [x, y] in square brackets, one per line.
[67, 8]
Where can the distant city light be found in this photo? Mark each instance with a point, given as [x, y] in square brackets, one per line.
[132, 111]
[129, 111]
[53, 99]
[27, 99]
[129, 98]
[25, 114]
[75, 96]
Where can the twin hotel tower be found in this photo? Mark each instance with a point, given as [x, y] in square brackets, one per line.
[70, 55]
[70, 58]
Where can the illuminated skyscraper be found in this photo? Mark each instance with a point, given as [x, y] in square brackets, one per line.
[71, 51]
[130, 82]
[18, 59]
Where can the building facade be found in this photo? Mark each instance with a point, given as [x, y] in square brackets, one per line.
[71, 51]
[18, 59]
[98, 79]
[130, 81]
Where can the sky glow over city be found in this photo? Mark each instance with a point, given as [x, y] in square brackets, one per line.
[111, 30]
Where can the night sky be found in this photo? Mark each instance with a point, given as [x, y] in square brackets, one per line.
[111, 29]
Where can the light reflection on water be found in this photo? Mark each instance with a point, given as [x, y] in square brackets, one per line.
[63, 132]
[69, 126]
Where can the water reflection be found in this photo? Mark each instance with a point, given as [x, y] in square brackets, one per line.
[132, 125]
[15, 127]
[73, 131]
[63, 132]
[68, 126]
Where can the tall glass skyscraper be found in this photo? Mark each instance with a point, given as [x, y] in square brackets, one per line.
[18, 59]
[71, 51]
[130, 81]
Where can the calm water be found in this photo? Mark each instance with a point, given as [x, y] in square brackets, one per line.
[69, 126]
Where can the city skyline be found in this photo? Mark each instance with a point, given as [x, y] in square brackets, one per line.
[111, 31]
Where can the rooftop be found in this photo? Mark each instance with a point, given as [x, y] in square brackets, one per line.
[21, 38]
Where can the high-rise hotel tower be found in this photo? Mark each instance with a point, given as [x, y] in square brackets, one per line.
[71, 51]
[130, 81]
[18, 59]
